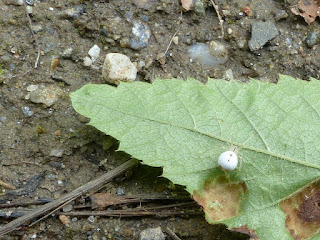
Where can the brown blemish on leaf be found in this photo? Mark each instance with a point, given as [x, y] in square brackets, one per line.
[244, 229]
[220, 199]
[308, 9]
[303, 213]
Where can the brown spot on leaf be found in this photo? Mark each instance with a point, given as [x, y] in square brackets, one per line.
[244, 229]
[220, 199]
[303, 213]
[308, 9]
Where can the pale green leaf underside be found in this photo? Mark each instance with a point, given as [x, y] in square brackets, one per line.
[183, 126]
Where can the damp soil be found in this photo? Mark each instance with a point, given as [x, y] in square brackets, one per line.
[53, 144]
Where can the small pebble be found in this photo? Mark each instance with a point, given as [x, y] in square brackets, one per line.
[3, 119]
[67, 208]
[312, 39]
[228, 74]
[94, 53]
[152, 234]
[56, 152]
[120, 191]
[14, 2]
[73, 12]
[139, 37]
[280, 14]
[67, 53]
[37, 28]
[87, 62]
[29, 9]
[91, 219]
[118, 67]
[27, 111]
[217, 49]
[175, 40]
[241, 43]
[198, 8]
[46, 95]
[64, 219]
[30, 2]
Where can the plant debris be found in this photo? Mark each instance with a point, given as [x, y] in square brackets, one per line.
[308, 9]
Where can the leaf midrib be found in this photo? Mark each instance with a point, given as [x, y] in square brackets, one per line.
[268, 153]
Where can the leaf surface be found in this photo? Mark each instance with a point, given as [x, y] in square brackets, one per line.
[183, 126]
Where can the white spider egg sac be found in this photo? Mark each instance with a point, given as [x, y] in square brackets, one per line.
[228, 160]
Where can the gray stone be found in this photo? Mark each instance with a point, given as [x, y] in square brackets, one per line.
[261, 33]
[280, 14]
[139, 37]
[118, 67]
[312, 39]
[152, 234]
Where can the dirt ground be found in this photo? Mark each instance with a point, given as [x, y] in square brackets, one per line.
[52, 144]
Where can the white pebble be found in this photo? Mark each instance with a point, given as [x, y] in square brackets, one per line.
[87, 62]
[118, 67]
[94, 53]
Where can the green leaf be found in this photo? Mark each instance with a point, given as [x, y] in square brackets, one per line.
[183, 126]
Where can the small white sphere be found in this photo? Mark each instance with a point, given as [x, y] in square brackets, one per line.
[228, 160]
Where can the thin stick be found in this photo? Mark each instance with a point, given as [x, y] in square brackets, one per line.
[7, 185]
[170, 42]
[172, 234]
[24, 203]
[216, 7]
[127, 213]
[34, 36]
[11, 226]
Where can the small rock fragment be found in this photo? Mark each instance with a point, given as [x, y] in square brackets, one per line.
[64, 219]
[118, 67]
[228, 74]
[152, 234]
[14, 2]
[280, 14]
[261, 33]
[67, 208]
[145, 4]
[37, 28]
[186, 4]
[175, 40]
[56, 152]
[67, 53]
[87, 61]
[74, 12]
[199, 8]
[139, 37]
[312, 39]
[47, 95]
[27, 111]
[94, 53]
[217, 49]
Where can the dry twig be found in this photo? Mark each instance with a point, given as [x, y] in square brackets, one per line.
[172, 234]
[216, 7]
[34, 36]
[6, 185]
[13, 225]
